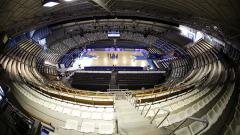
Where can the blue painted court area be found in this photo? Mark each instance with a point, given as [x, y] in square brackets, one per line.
[139, 57]
[145, 57]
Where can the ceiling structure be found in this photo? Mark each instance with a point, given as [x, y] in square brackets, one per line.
[220, 17]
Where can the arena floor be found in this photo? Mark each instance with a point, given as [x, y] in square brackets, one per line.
[130, 58]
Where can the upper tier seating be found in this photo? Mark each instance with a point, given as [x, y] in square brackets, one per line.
[180, 67]
[149, 40]
[167, 46]
[153, 50]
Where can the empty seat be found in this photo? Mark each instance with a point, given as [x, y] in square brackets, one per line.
[106, 128]
[86, 115]
[235, 127]
[96, 116]
[196, 127]
[108, 116]
[75, 113]
[71, 124]
[109, 110]
[67, 111]
[183, 131]
[87, 127]
[59, 109]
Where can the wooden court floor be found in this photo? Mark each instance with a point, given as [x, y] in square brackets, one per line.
[102, 58]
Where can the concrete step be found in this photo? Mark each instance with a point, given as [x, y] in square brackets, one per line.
[131, 122]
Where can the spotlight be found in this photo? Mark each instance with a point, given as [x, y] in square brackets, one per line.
[50, 3]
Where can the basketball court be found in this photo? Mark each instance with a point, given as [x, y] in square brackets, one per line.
[117, 58]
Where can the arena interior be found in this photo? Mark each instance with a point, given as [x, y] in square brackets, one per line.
[119, 67]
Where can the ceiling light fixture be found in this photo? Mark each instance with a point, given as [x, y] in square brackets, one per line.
[49, 3]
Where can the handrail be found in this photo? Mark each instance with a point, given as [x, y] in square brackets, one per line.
[191, 118]
[155, 95]
[143, 108]
[129, 98]
[116, 123]
[117, 90]
[139, 104]
[41, 92]
[168, 112]
[148, 109]
[171, 89]
[80, 91]
[61, 89]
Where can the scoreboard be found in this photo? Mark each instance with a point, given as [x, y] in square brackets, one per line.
[113, 34]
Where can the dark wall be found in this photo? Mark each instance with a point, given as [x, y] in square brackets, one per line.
[4, 129]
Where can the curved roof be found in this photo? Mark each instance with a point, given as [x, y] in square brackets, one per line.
[211, 15]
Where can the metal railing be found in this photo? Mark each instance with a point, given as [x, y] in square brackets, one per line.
[74, 92]
[138, 101]
[137, 105]
[150, 106]
[168, 113]
[116, 123]
[165, 117]
[194, 119]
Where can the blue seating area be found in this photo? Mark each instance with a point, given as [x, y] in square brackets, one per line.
[4, 89]
[68, 58]
[40, 34]
[14, 41]
[168, 47]
[118, 45]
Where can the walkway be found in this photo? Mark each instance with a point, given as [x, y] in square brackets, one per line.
[131, 122]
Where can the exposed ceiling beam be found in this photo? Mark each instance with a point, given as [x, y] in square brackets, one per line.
[235, 36]
[103, 4]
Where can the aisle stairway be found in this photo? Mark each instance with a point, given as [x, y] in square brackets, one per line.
[113, 81]
[130, 121]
